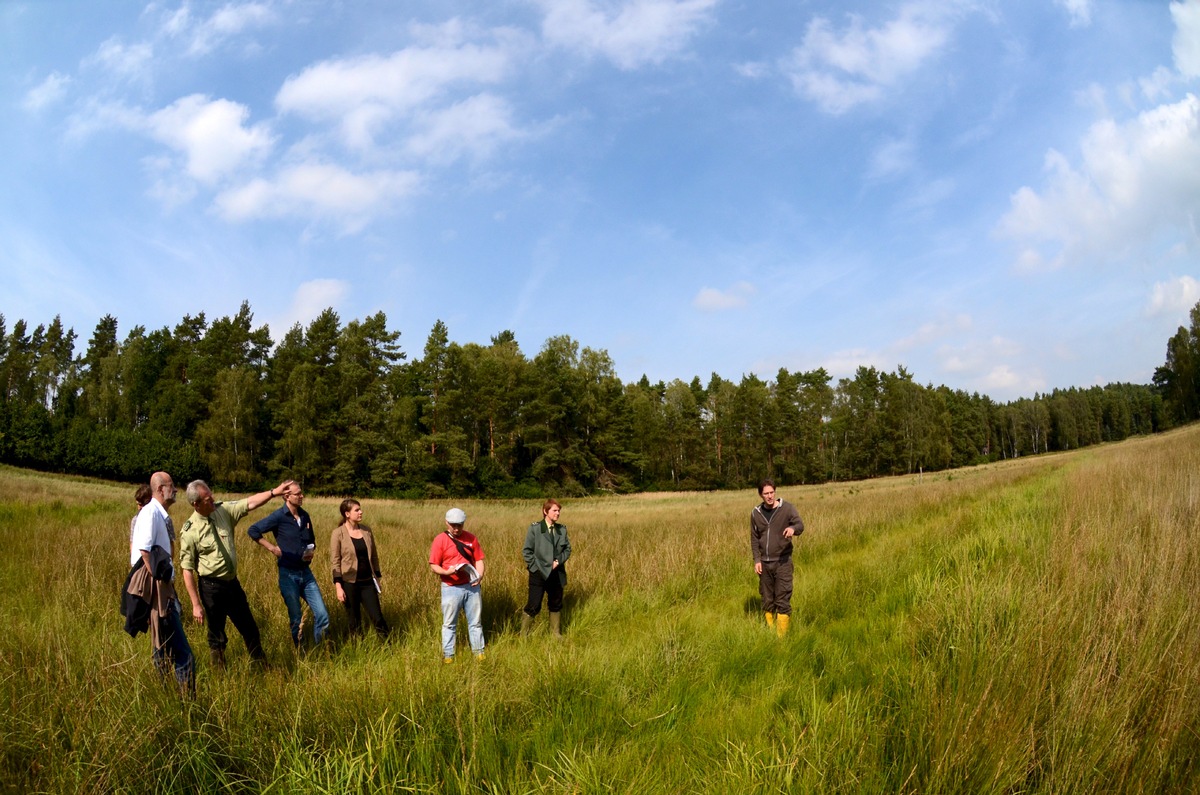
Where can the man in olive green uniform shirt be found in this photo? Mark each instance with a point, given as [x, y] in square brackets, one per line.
[207, 553]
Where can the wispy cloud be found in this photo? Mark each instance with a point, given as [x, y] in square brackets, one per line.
[630, 34]
[310, 299]
[892, 158]
[1004, 379]
[46, 93]
[840, 70]
[363, 95]
[128, 61]
[934, 331]
[1080, 11]
[204, 34]
[473, 127]
[710, 299]
[976, 356]
[319, 190]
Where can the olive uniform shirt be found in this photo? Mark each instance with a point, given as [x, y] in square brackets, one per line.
[206, 542]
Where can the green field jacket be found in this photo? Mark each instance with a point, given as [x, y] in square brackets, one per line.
[544, 545]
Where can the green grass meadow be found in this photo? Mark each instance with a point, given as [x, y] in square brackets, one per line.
[1024, 627]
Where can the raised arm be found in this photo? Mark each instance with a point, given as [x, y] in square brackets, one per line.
[263, 497]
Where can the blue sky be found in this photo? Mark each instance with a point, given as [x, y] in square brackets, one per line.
[1001, 196]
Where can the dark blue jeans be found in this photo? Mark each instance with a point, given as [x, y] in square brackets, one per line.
[297, 584]
[175, 651]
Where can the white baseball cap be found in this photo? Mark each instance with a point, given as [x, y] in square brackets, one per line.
[456, 516]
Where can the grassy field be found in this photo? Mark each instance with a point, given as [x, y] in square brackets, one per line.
[1016, 628]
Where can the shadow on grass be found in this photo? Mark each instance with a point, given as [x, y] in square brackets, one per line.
[502, 612]
[752, 605]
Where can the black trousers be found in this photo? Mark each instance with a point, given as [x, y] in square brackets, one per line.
[363, 595]
[225, 599]
[775, 585]
[551, 586]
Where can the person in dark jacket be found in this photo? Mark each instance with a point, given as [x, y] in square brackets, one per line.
[773, 525]
[546, 551]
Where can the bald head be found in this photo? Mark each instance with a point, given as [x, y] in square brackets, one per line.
[163, 488]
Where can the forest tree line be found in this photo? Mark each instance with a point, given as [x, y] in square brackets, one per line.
[343, 409]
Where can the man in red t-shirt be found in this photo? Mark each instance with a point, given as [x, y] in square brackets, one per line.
[457, 558]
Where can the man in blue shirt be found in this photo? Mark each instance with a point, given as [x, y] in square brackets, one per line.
[294, 544]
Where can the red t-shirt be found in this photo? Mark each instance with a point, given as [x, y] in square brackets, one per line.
[445, 554]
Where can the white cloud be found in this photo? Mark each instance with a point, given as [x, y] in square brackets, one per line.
[710, 299]
[474, 127]
[631, 33]
[841, 70]
[892, 158]
[319, 190]
[46, 93]
[752, 70]
[1079, 10]
[204, 35]
[844, 364]
[1003, 379]
[976, 356]
[127, 61]
[1174, 296]
[929, 195]
[1158, 85]
[962, 358]
[1134, 181]
[310, 300]
[167, 184]
[95, 116]
[1186, 44]
[933, 331]
[228, 21]
[362, 95]
[211, 135]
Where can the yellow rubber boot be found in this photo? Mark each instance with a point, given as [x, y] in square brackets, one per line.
[781, 624]
[770, 620]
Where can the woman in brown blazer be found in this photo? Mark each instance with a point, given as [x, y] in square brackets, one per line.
[356, 568]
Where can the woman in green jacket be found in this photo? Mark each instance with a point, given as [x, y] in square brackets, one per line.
[546, 551]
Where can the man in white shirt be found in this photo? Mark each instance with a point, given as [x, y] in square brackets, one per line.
[151, 529]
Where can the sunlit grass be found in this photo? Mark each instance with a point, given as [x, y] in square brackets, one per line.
[1021, 627]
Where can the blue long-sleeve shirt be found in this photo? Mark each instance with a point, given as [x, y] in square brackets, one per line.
[292, 535]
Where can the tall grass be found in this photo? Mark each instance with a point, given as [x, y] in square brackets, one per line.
[1022, 627]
